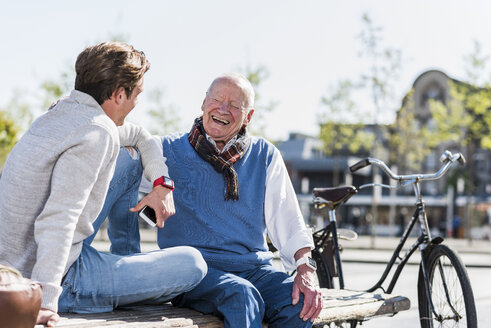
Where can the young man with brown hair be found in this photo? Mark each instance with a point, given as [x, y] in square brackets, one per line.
[54, 185]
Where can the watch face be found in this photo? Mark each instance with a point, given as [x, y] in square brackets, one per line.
[168, 182]
[312, 262]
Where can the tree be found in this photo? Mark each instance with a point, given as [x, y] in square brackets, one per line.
[380, 79]
[466, 120]
[20, 111]
[337, 132]
[408, 142]
[383, 68]
[164, 117]
[475, 64]
[8, 136]
[385, 64]
[257, 76]
[56, 89]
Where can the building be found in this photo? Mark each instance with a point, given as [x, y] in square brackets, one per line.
[309, 168]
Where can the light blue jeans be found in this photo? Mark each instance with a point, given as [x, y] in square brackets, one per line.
[100, 282]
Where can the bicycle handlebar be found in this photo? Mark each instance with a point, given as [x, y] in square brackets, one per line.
[447, 159]
[359, 165]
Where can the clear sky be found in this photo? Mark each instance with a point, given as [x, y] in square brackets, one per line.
[306, 46]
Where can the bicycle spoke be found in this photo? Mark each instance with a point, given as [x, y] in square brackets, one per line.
[450, 291]
[447, 295]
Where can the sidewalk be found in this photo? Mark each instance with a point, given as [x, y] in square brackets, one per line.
[389, 243]
[475, 253]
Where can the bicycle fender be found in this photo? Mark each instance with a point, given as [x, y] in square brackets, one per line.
[432, 243]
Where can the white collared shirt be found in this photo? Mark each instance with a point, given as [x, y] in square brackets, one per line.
[229, 143]
[284, 220]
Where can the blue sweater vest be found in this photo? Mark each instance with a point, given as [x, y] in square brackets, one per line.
[231, 235]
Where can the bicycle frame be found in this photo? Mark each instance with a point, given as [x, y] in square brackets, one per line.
[332, 217]
[424, 239]
[422, 242]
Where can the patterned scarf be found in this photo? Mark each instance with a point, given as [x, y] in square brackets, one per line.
[222, 162]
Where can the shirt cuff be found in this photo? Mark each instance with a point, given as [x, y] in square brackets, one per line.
[154, 171]
[301, 239]
[146, 186]
[51, 293]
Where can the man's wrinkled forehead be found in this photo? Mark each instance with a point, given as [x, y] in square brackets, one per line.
[240, 83]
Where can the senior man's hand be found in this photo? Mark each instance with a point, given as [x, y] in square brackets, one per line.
[160, 199]
[304, 283]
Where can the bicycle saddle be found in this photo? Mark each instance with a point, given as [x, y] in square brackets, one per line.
[333, 197]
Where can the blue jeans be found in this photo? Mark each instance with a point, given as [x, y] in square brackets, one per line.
[122, 225]
[244, 299]
[100, 282]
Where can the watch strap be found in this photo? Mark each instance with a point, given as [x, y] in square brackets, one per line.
[310, 262]
[164, 181]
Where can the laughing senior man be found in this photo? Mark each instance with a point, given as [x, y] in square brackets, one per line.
[231, 190]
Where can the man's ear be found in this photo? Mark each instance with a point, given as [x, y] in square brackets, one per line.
[118, 95]
[249, 116]
[203, 105]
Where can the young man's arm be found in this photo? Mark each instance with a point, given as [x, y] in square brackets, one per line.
[149, 147]
[78, 168]
[154, 167]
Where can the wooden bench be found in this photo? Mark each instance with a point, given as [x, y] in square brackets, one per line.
[339, 305]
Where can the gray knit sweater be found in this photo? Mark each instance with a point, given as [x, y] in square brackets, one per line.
[54, 184]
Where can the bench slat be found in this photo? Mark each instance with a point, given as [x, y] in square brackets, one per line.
[339, 305]
[343, 305]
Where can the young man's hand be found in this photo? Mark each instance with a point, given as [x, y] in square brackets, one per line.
[161, 200]
[47, 317]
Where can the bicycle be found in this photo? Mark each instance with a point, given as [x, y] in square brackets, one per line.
[444, 291]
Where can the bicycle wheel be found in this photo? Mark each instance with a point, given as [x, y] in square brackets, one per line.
[323, 272]
[450, 290]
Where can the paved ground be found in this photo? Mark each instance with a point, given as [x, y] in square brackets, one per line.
[361, 276]
[474, 253]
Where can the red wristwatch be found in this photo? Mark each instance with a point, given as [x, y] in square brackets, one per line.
[164, 181]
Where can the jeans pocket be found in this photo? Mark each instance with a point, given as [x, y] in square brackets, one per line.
[69, 281]
[68, 292]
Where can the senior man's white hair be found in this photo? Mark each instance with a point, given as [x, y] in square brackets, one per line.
[242, 81]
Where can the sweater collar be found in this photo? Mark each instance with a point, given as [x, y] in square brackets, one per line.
[84, 98]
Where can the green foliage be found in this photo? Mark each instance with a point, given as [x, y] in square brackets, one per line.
[336, 137]
[341, 107]
[257, 76]
[385, 65]
[335, 133]
[407, 141]
[465, 119]
[56, 89]
[8, 136]
[475, 64]
[341, 123]
[20, 111]
[164, 117]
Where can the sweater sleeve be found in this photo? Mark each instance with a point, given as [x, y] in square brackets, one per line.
[150, 149]
[89, 153]
[284, 220]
